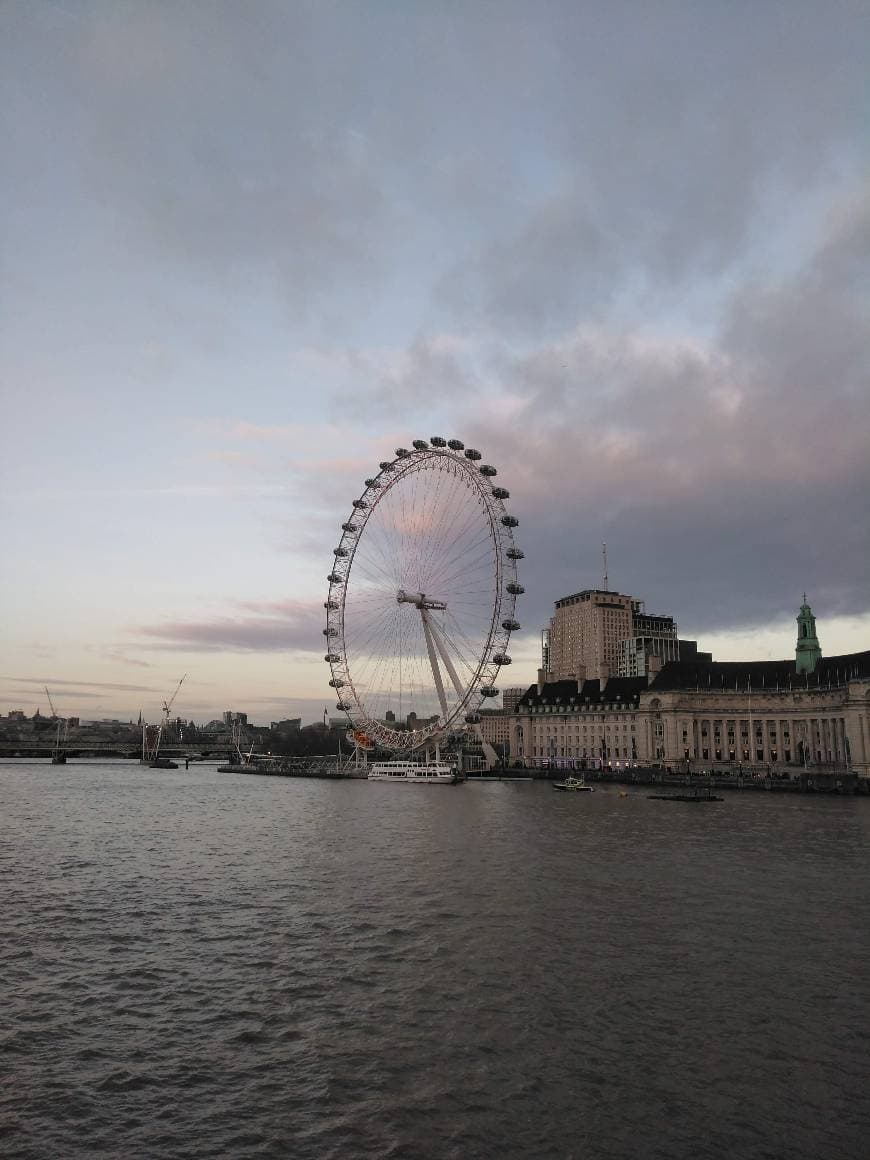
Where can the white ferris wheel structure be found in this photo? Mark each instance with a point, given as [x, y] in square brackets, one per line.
[422, 596]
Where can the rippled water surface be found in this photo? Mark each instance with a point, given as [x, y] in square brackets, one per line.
[197, 964]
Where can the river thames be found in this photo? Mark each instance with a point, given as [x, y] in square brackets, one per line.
[198, 964]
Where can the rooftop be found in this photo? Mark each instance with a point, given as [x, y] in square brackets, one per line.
[624, 689]
[830, 671]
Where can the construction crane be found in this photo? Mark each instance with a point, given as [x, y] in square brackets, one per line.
[58, 756]
[153, 735]
[167, 705]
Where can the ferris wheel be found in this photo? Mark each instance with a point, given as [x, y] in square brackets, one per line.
[422, 596]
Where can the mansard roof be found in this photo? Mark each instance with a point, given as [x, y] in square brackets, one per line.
[624, 689]
[833, 671]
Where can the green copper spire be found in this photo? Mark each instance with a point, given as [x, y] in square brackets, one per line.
[808, 653]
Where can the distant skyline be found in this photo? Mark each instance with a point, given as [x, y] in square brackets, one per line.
[247, 251]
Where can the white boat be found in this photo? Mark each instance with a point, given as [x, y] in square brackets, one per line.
[433, 773]
[573, 783]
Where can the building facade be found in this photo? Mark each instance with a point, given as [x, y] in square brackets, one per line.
[761, 713]
[725, 716]
[512, 696]
[585, 724]
[495, 729]
[807, 714]
[597, 634]
[584, 635]
[653, 644]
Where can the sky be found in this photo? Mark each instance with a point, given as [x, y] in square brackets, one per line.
[248, 250]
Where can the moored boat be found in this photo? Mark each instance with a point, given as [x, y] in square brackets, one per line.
[684, 797]
[433, 773]
[573, 783]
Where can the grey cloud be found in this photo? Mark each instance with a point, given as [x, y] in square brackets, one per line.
[726, 477]
[56, 682]
[679, 136]
[328, 145]
[434, 368]
[285, 626]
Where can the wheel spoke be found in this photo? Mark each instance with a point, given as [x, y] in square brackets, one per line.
[418, 612]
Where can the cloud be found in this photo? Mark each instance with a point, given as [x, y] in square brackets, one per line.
[121, 656]
[269, 626]
[609, 245]
[726, 472]
[430, 370]
[673, 162]
[57, 682]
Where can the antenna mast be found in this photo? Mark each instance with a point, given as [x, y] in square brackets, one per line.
[604, 554]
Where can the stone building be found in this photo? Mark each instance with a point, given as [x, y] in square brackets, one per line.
[585, 724]
[512, 696]
[598, 634]
[810, 713]
[761, 713]
[495, 729]
[584, 634]
[652, 644]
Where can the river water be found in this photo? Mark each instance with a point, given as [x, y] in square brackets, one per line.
[196, 964]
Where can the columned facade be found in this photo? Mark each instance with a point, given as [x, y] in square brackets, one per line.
[767, 717]
[727, 717]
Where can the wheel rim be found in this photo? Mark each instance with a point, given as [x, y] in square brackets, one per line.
[419, 612]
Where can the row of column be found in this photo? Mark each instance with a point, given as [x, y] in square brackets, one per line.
[860, 738]
[774, 739]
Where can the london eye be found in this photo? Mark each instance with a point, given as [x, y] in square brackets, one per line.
[422, 594]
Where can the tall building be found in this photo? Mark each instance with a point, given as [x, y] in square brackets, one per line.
[597, 634]
[511, 697]
[585, 632]
[652, 644]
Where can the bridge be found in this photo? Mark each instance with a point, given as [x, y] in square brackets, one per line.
[220, 748]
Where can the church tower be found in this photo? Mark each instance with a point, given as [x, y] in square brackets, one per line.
[808, 653]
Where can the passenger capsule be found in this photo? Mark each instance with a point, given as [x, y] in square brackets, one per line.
[501, 493]
[515, 554]
[373, 483]
[455, 444]
[330, 604]
[489, 691]
[337, 683]
[421, 444]
[343, 707]
[501, 659]
[437, 441]
[360, 504]
[332, 658]
[335, 578]
[510, 625]
[515, 589]
[349, 528]
[387, 465]
[510, 521]
[402, 453]
[329, 632]
[472, 718]
[340, 552]
[488, 470]
[472, 454]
